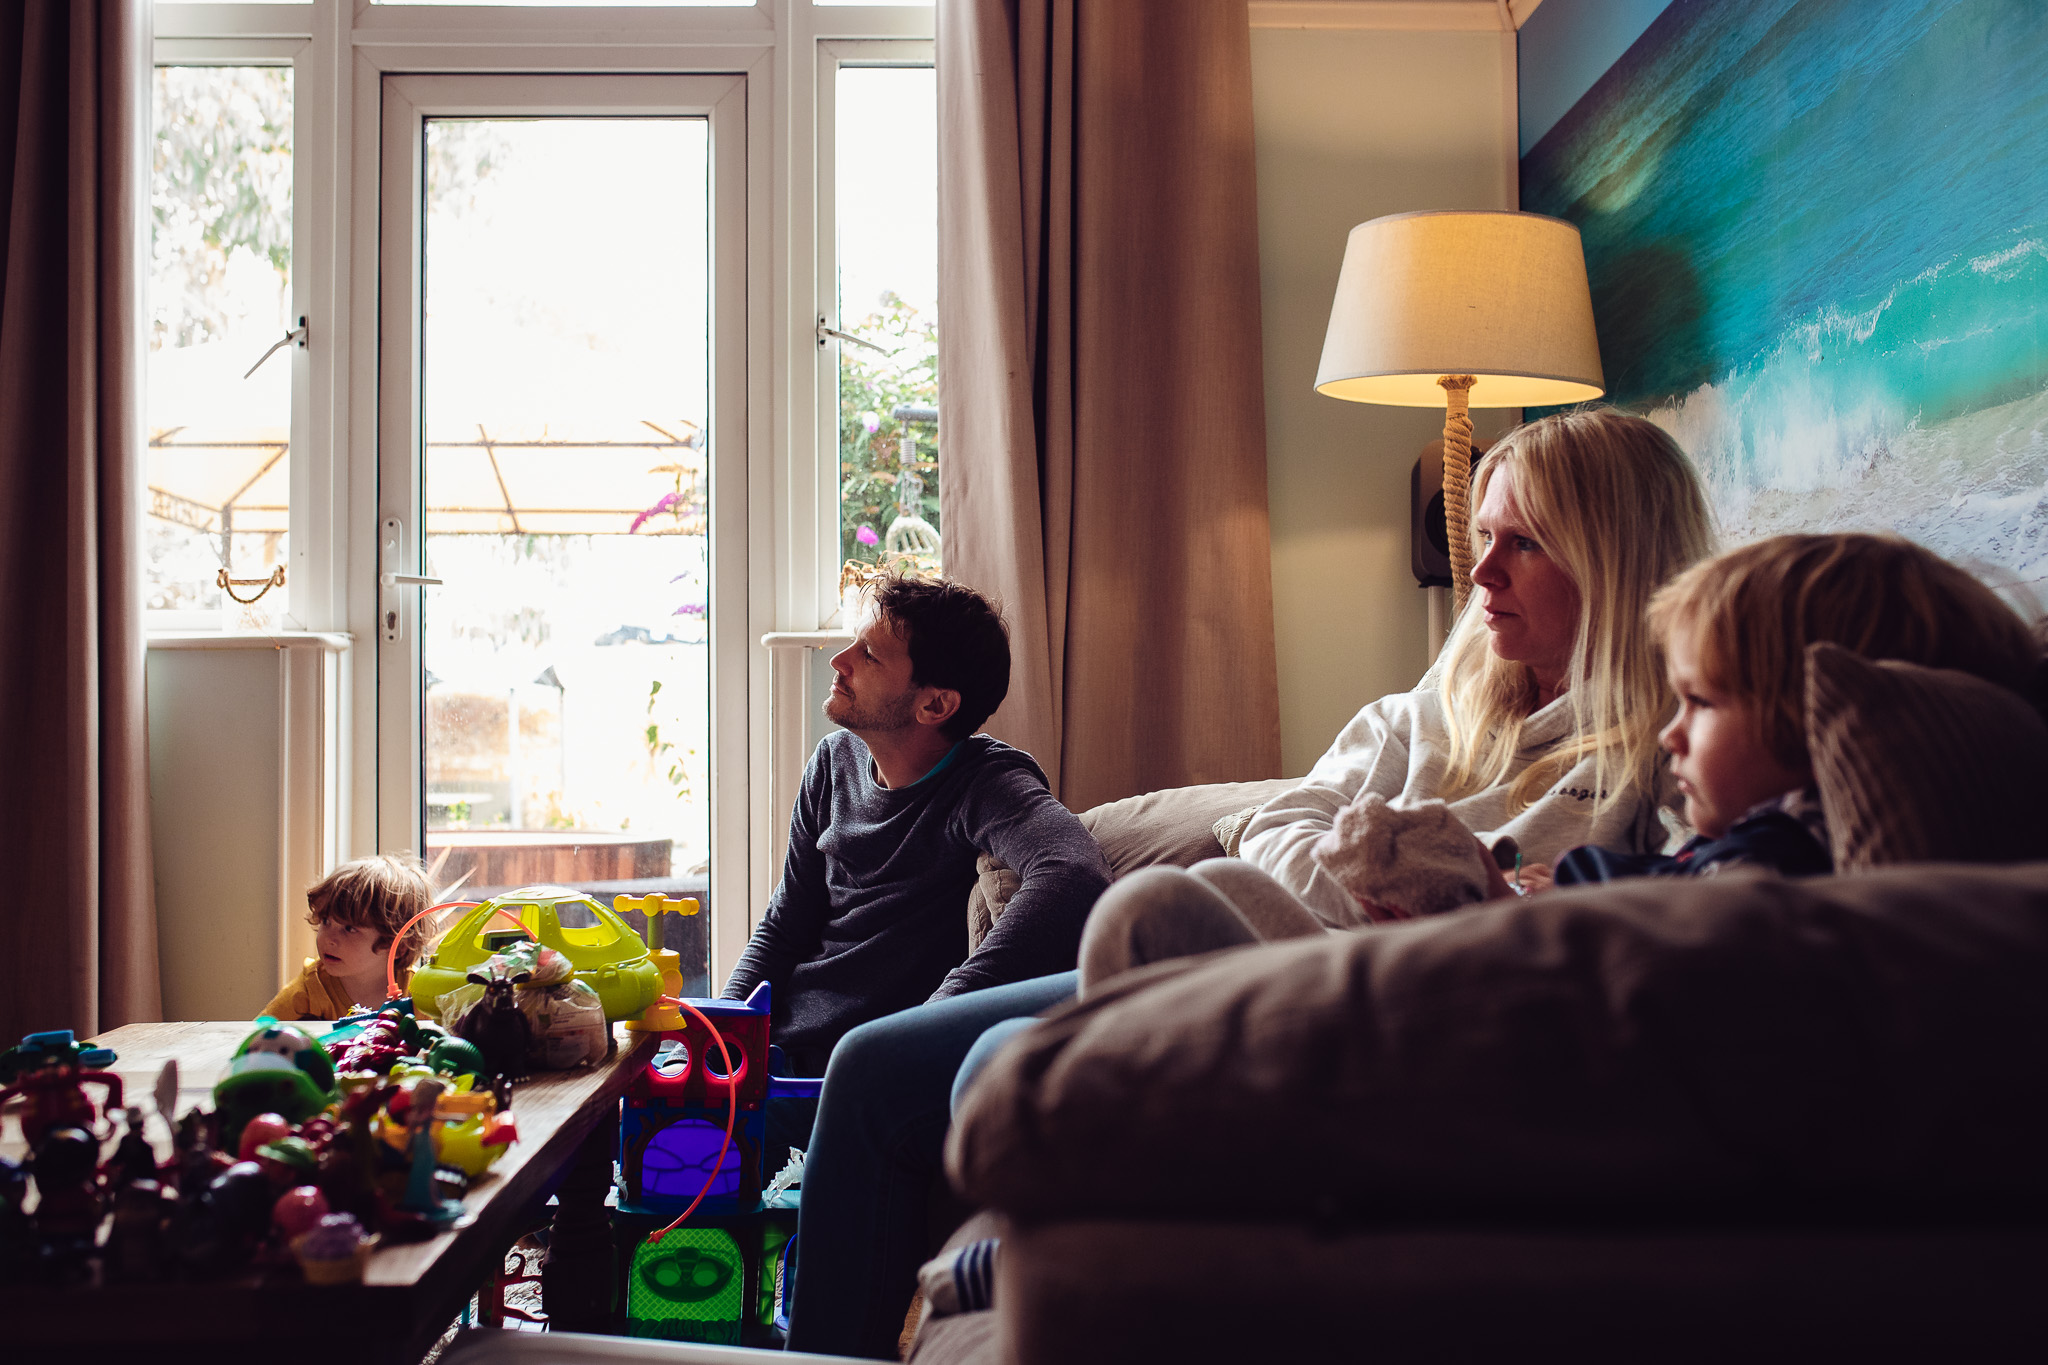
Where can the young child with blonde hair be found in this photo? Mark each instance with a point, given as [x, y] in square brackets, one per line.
[357, 912]
[1734, 632]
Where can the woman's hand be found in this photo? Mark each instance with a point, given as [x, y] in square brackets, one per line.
[1531, 878]
[1497, 887]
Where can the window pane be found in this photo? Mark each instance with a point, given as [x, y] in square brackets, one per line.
[564, 388]
[219, 461]
[886, 157]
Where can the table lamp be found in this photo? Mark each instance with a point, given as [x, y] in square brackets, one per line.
[1469, 309]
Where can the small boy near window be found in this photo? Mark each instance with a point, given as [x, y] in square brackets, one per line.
[1734, 631]
[357, 912]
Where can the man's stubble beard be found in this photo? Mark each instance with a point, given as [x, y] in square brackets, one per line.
[849, 714]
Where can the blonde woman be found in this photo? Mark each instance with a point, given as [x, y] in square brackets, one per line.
[1539, 721]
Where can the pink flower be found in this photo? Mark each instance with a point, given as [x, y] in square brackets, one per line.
[669, 503]
[866, 536]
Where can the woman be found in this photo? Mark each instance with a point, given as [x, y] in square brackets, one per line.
[1539, 721]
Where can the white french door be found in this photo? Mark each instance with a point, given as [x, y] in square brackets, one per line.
[562, 651]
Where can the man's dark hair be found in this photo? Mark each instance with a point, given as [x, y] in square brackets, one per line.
[957, 640]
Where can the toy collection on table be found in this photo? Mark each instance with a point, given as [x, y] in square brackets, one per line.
[321, 1141]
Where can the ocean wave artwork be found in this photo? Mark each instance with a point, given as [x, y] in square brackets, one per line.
[1817, 234]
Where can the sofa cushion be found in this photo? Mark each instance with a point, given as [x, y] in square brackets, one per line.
[1176, 826]
[994, 884]
[1920, 765]
[1725, 1045]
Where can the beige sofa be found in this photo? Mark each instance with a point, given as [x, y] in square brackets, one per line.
[1713, 1119]
[1732, 1118]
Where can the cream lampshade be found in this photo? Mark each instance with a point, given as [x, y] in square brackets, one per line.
[1466, 309]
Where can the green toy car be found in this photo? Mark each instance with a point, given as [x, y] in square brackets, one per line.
[607, 955]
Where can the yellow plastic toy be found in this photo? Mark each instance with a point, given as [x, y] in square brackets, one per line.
[467, 1131]
[608, 956]
[660, 1017]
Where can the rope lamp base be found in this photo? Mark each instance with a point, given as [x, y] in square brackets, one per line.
[1458, 485]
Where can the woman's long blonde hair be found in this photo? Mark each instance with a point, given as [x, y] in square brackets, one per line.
[1614, 501]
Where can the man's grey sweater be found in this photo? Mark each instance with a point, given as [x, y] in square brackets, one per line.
[871, 914]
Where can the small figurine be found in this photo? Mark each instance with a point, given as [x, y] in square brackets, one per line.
[197, 1160]
[347, 1170]
[496, 1025]
[219, 1231]
[50, 1071]
[135, 1249]
[19, 1257]
[468, 1130]
[133, 1159]
[420, 1195]
[165, 1093]
[67, 1216]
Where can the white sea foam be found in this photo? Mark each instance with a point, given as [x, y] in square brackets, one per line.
[1999, 260]
[1972, 488]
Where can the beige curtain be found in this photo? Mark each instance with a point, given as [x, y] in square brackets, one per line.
[1104, 459]
[77, 912]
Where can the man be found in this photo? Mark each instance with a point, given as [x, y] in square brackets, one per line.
[871, 914]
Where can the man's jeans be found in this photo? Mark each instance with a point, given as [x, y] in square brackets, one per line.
[874, 1153]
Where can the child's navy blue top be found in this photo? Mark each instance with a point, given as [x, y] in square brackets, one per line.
[1787, 834]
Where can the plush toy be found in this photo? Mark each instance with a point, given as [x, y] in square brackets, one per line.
[495, 1024]
[1413, 860]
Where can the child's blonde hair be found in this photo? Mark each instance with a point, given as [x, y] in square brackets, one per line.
[1752, 612]
[381, 892]
[1614, 501]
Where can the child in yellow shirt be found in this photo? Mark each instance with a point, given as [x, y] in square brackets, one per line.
[357, 912]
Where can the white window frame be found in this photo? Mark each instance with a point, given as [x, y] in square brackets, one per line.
[305, 566]
[341, 51]
[834, 56]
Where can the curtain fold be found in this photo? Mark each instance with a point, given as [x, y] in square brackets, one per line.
[78, 927]
[1101, 382]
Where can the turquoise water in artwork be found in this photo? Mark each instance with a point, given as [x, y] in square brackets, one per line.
[1817, 233]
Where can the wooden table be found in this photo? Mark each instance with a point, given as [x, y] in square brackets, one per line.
[568, 1124]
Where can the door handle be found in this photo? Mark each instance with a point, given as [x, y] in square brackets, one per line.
[392, 551]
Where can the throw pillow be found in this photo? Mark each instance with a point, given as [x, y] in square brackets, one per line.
[994, 884]
[1922, 765]
[1230, 829]
[1176, 826]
